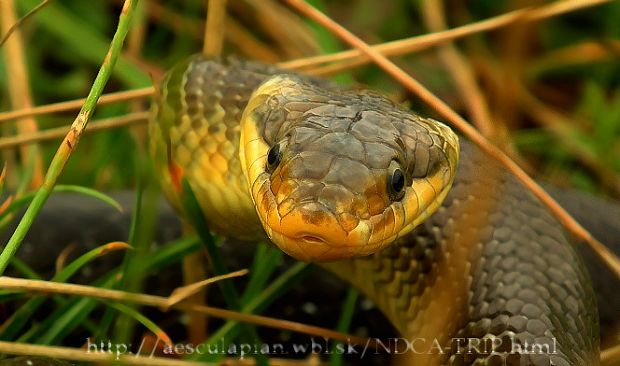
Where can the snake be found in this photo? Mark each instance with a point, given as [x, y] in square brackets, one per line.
[462, 259]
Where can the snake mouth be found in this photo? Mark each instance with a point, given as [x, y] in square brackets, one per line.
[311, 232]
[311, 239]
[312, 247]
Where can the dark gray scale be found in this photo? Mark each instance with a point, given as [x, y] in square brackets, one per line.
[528, 286]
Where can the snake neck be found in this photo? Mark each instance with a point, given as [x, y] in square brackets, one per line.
[491, 264]
[195, 136]
[422, 281]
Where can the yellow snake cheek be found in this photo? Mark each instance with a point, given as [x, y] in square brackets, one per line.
[378, 233]
[430, 200]
[265, 205]
[383, 229]
[252, 155]
[392, 232]
[252, 152]
[390, 218]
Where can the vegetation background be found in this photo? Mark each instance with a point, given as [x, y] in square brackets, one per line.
[551, 87]
[546, 91]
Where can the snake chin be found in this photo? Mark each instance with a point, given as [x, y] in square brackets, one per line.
[311, 247]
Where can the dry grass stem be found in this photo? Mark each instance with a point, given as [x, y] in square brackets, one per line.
[19, 87]
[248, 44]
[147, 359]
[137, 33]
[194, 267]
[59, 132]
[611, 356]
[293, 37]
[236, 34]
[63, 257]
[579, 54]
[76, 354]
[563, 129]
[418, 43]
[77, 103]
[47, 287]
[460, 70]
[214, 31]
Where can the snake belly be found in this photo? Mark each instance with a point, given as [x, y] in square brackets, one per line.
[490, 278]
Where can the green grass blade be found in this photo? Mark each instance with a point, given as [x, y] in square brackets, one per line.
[197, 219]
[165, 256]
[346, 315]
[28, 197]
[258, 304]
[266, 260]
[65, 319]
[194, 213]
[25, 269]
[20, 318]
[70, 143]
[90, 193]
[140, 237]
[137, 316]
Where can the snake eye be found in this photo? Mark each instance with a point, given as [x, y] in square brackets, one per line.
[273, 157]
[396, 184]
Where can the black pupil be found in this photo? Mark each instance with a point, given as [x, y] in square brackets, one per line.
[398, 180]
[273, 157]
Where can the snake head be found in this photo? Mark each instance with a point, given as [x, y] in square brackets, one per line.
[335, 174]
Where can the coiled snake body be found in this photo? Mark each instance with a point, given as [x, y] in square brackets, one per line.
[465, 262]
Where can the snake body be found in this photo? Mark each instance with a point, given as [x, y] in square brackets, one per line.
[479, 273]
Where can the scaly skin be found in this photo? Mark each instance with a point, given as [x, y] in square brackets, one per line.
[491, 263]
[330, 195]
